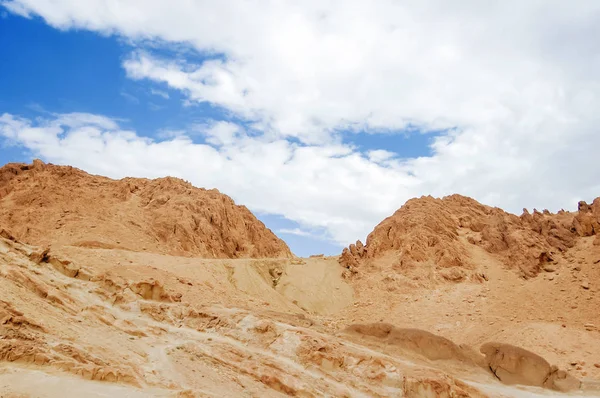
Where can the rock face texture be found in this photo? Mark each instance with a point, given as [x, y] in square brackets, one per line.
[426, 344]
[45, 204]
[436, 232]
[587, 220]
[68, 329]
[514, 365]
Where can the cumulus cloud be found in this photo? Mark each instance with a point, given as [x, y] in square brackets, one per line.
[308, 70]
[513, 85]
[223, 133]
[380, 155]
[331, 187]
[318, 186]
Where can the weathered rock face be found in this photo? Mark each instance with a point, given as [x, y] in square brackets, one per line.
[437, 231]
[508, 363]
[46, 204]
[421, 342]
[514, 365]
[587, 220]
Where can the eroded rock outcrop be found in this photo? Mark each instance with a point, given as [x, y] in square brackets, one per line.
[515, 365]
[421, 342]
[44, 204]
[436, 232]
[587, 220]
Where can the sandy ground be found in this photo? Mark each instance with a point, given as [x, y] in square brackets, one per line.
[551, 314]
[116, 323]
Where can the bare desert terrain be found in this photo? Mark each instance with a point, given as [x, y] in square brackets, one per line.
[155, 288]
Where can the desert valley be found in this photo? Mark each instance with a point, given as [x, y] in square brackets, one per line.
[137, 287]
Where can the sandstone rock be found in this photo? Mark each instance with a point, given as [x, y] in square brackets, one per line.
[436, 388]
[425, 231]
[514, 365]
[589, 327]
[454, 274]
[347, 260]
[153, 290]
[165, 215]
[418, 341]
[40, 256]
[562, 381]
[587, 220]
[550, 268]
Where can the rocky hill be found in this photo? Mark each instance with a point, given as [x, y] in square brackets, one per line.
[434, 234]
[82, 324]
[46, 204]
[108, 310]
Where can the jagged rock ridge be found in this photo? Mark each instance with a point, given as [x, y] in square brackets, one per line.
[46, 204]
[436, 232]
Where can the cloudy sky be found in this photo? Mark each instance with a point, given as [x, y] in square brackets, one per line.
[323, 117]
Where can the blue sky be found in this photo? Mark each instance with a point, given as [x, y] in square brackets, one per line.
[44, 70]
[78, 71]
[322, 117]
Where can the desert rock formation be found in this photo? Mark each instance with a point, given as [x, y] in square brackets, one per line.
[141, 288]
[112, 324]
[45, 204]
[514, 365]
[427, 232]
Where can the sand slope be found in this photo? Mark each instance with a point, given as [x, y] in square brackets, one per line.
[125, 323]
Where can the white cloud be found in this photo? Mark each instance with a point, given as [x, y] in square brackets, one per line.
[223, 133]
[330, 187]
[317, 186]
[159, 93]
[17, 8]
[294, 231]
[166, 134]
[516, 84]
[307, 69]
[380, 155]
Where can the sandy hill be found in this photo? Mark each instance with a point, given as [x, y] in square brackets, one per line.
[154, 288]
[474, 273]
[46, 204]
[109, 322]
[429, 238]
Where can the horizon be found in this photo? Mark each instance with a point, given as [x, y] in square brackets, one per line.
[322, 119]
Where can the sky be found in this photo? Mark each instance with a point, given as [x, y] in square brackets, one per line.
[322, 117]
